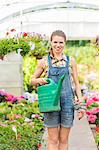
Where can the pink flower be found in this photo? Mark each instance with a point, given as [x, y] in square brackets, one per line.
[9, 97]
[95, 110]
[92, 118]
[95, 96]
[17, 116]
[37, 116]
[2, 93]
[3, 125]
[88, 112]
[20, 98]
[89, 102]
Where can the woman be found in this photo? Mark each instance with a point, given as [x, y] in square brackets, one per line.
[55, 65]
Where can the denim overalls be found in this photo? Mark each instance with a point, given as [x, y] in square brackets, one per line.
[66, 115]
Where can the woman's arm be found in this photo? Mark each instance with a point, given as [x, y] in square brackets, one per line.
[80, 111]
[35, 80]
[75, 78]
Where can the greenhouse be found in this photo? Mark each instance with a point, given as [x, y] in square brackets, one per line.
[49, 74]
[44, 16]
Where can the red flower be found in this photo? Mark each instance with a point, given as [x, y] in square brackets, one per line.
[39, 146]
[25, 34]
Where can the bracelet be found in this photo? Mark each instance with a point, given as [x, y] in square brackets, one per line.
[77, 106]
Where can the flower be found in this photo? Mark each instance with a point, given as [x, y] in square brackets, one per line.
[4, 96]
[27, 120]
[2, 124]
[30, 97]
[15, 130]
[39, 146]
[17, 116]
[35, 116]
[25, 34]
[32, 45]
[92, 104]
[92, 118]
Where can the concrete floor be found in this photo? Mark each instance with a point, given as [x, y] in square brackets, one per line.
[81, 136]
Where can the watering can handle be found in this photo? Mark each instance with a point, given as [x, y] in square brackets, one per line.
[50, 81]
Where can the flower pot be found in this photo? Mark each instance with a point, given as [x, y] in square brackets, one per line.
[97, 129]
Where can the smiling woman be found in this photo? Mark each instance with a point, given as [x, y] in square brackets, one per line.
[59, 122]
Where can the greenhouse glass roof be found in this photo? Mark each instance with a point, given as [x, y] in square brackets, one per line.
[9, 7]
[31, 14]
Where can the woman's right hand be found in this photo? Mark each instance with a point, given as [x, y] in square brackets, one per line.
[41, 81]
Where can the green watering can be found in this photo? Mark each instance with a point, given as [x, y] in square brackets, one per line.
[49, 95]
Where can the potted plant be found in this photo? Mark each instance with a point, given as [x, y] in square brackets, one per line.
[39, 45]
[36, 45]
[7, 46]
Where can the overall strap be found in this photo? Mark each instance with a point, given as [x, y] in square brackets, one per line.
[68, 61]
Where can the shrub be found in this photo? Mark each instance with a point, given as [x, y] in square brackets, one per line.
[7, 46]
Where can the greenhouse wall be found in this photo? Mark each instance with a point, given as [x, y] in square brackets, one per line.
[11, 77]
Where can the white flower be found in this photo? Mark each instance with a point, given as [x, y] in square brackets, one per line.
[27, 120]
[32, 45]
[14, 129]
[33, 115]
[91, 76]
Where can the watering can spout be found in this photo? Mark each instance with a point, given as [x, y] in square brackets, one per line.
[60, 82]
[59, 87]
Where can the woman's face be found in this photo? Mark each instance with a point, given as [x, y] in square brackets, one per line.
[57, 44]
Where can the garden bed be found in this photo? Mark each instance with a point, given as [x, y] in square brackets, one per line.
[21, 126]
